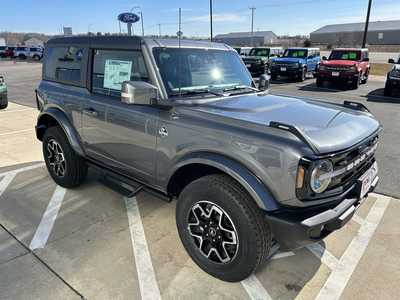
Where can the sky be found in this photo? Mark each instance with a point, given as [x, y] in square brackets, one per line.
[284, 17]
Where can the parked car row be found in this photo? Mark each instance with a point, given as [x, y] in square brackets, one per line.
[22, 52]
[3, 93]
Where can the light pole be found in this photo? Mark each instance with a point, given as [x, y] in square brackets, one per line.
[211, 20]
[252, 25]
[366, 24]
[141, 16]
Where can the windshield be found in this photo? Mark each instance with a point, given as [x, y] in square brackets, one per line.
[296, 53]
[345, 55]
[259, 52]
[191, 70]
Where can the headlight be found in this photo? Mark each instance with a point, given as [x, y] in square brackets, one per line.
[395, 73]
[321, 176]
[353, 69]
[322, 68]
[296, 65]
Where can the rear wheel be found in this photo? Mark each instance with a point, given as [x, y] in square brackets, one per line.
[65, 167]
[365, 78]
[3, 103]
[222, 228]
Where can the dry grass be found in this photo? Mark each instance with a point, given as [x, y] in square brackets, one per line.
[380, 69]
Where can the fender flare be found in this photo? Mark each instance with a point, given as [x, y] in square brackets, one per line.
[62, 120]
[251, 183]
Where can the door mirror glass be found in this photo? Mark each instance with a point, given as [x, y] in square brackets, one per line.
[264, 82]
[324, 58]
[139, 93]
[391, 61]
[366, 59]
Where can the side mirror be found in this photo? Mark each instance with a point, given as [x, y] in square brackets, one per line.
[391, 61]
[324, 58]
[139, 93]
[366, 59]
[264, 82]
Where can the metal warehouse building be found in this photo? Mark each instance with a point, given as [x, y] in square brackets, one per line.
[379, 33]
[260, 38]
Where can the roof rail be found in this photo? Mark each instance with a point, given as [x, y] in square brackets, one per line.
[295, 131]
[356, 105]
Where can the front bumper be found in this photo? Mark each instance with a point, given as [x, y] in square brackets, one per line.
[289, 72]
[294, 231]
[256, 69]
[342, 77]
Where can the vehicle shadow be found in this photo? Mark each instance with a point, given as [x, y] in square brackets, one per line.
[287, 278]
[327, 87]
[378, 96]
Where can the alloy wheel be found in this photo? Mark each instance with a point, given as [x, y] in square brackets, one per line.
[213, 232]
[56, 158]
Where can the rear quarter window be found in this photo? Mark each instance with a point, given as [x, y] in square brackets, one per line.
[64, 64]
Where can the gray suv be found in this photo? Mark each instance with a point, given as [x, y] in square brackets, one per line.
[184, 120]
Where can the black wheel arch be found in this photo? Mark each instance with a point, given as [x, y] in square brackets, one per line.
[55, 117]
[197, 165]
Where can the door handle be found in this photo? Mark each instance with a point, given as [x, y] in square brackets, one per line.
[90, 112]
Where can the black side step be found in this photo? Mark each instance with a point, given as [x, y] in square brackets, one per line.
[127, 190]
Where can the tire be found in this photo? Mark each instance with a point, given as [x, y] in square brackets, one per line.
[388, 89]
[302, 75]
[3, 103]
[219, 195]
[319, 82]
[73, 166]
[22, 56]
[356, 82]
[365, 78]
[36, 57]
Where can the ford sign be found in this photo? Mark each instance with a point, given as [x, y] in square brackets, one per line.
[128, 18]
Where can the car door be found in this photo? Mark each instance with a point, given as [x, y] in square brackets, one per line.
[310, 60]
[120, 135]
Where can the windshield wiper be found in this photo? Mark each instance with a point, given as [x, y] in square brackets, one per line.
[240, 87]
[196, 92]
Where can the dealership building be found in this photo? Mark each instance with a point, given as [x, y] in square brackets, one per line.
[379, 33]
[259, 38]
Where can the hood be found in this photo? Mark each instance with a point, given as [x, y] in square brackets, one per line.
[289, 60]
[339, 63]
[329, 127]
[255, 58]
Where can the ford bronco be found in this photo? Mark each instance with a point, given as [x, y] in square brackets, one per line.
[345, 65]
[185, 120]
[296, 63]
[393, 78]
[258, 60]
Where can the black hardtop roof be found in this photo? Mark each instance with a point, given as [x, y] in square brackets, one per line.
[114, 42]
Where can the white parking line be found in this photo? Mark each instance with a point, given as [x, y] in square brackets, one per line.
[16, 132]
[280, 255]
[146, 276]
[49, 217]
[16, 110]
[255, 289]
[337, 281]
[356, 218]
[324, 255]
[5, 182]
[22, 169]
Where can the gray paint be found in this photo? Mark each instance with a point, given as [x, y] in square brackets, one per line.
[231, 134]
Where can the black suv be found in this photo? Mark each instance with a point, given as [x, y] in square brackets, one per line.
[258, 60]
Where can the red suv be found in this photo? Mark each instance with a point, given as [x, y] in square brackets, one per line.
[345, 65]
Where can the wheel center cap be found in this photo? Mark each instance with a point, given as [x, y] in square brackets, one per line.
[212, 231]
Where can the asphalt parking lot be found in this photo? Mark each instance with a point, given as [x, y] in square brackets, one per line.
[93, 243]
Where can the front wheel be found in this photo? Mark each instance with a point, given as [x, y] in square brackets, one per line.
[221, 228]
[388, 89]
[65, 167]
[302, 75]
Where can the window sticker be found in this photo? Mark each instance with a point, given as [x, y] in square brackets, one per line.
[353, 56]
[115, 73]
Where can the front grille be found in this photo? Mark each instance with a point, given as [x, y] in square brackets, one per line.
[337, 68]
[351, 165]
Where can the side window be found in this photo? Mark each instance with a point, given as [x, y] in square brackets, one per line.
[111, 68]
[64, 64]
